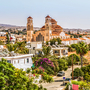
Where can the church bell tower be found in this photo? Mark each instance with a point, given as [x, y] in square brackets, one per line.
[29, 29]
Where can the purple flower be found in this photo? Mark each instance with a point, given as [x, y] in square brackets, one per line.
[41, 62]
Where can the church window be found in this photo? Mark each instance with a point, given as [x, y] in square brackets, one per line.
[28, 27]
[28, 39]
[28, 20]
[47, 28]
[28, 34]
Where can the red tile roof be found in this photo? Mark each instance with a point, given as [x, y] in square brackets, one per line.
[82, 38]
[47, 16]
[69, 39]
[53, 20]
[30, 17]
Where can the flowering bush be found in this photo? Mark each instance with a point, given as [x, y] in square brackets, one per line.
[45, 64]
[45, 76]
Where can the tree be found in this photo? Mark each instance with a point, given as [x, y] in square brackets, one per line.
[86, 71]
[11, 47]
[15, 79]
[52, 41]
[62, 64]
[76, 58]
[78, 72]
[89, 46]
[82, 50]
[1, 42]
[8, 39]
[46, 50]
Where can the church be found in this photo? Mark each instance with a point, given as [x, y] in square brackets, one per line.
[47, 32]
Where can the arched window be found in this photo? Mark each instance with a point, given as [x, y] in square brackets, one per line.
[39, 37]
[28, 27]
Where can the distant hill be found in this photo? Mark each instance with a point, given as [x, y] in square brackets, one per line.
[8, 26]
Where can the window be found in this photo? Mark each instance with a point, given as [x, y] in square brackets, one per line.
[18, 61]
[33, 48]
[27, 60]
[14, 62]
[28, 34]
[9, 61]
[56, 51]
[28, 39]
[24, 61]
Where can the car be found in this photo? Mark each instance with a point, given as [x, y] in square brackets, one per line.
[66, 80]
[61, 73]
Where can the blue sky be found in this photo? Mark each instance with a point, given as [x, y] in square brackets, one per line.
[68, 13]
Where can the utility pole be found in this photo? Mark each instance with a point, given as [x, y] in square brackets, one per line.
[72, 67]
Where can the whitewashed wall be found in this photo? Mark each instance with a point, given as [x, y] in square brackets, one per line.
[21, 61]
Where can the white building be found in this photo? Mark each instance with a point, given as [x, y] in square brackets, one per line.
[22, 61]
[58, 50]
[2, 34]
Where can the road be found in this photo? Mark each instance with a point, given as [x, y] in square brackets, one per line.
[58, 81]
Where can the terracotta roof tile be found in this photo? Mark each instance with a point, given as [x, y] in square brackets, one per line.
[43, 26]
[30, 17]
[69, 39]
[47, 16]
[53, 20]
[67, 35]
[82, 38]
[58, 26]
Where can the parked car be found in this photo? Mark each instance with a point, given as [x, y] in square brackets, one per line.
[61, 73]
[66, 80]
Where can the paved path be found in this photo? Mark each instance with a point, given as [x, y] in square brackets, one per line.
[58, 81]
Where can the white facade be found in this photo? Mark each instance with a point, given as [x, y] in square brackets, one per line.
[2, 33]
[36, 45]
[62, 35]
[13, 38]
[22, 61]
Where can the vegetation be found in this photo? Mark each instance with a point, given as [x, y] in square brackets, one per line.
[45, 76]
[52, 41]
[82, 85]
[78, 72]
[8, 39]
[1, 42]
[86, 71]
[15, 79]
[19, 47]
[51, 65]
[62, 64]
[76, 58]
[45, 64]
[81, 49]
[46, 50]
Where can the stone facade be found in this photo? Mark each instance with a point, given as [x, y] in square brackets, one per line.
[49, 31]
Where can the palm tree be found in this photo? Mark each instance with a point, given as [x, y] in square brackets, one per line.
[81, 49]
[11, 47]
